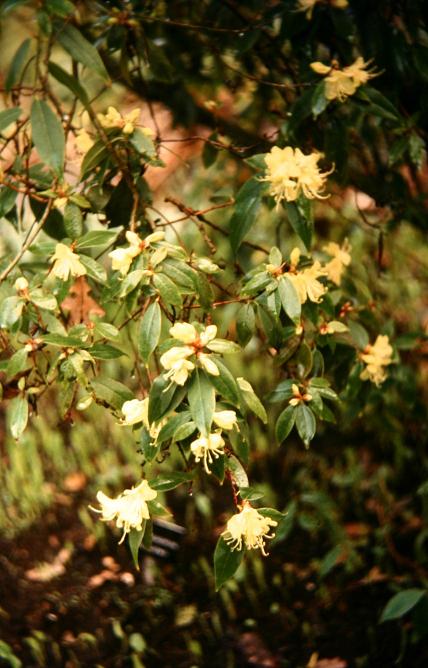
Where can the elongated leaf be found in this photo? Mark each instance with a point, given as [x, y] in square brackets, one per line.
[103, 351]
[247, 205]
[95, 269]
[73, 220]
[17, 363]
[150, 329]
[289, 299]
[17, 64]
[305, 423]
[285, 423]
[164, 483]
[9, 116]
[302, 226]
[48, 135]
[111, 392]
[69, 82]
[97, 239]
[135, 538]
[201, 398]
[225, 384]
[401, 603]
[251, 399]
[18, 416]
[170, 428]
[167, 290]
[226, 562]
[81, 50]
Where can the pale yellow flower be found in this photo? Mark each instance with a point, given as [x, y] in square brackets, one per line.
[175, 362]
[290, 173]
[225, 419]
[184, 332]
[135, 411]
[83, 141]
[340, 84]
[66, 262]
[248, 527]
[376, 357]
[21, 284]
[341, 259]
[308, 6]
[208, 448]
[114, 119]
[298, 397]
[129, 509]
[306, 283]
[122, 257]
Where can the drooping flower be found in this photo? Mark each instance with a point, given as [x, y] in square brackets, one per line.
[376, 357]
[66, 262]
[83, 141]
[135, 411]
[341, 83]
[291, 172]
[21, 284]
[129, 509]
[341, 258]
[114, 119]
[225, 419]
[122, 257]
[298, 397]
[175, 359]
[305, 281]
[248, 527]
[208, 448]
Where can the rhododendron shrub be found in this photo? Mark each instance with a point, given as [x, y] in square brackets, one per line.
[98, 269]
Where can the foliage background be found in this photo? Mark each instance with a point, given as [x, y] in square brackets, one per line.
[356, 500]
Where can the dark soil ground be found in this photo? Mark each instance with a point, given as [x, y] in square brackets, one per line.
[97, 610]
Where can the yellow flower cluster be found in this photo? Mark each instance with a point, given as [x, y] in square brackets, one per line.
[308, 5]
[248, 527]
[122, 257]
[66, 262]
[341, 258]
[129, 509]
[114, 119]
[290, 173]
[298, 397]
[340, 84]
[306, 280]
[376, 357]
[211, 447]
[175, 359]
[135, 411]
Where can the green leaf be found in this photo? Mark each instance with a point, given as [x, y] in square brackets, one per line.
[305, 423]
[103, 351]
[160, 66]
[94, 269]
[204, 290]
[18, 416]
[97, 239]
[48, 135]
[10, 311]
[170, 428]
[201, 398]
[150, 329]
[61, 8]
[289, 299]
[239, 474]
[401, 603]
[225, 384]
[73, 221]
[163, 398]
[17, 363]
[330, 560]
[251, 399]
[135, 538]
[143, 144]
[63, 341]
[69, 82]
[285, 423]
[300, 224]
[224, 347]
[319, 100]
[9, 116]
[106, 330]
[17, 64]
[163, 483]
[81, 50]
[94, 157]
[8, 198]
[245, 324]
[168, 291]
[111, 392]
[226, 562]
[247, 205]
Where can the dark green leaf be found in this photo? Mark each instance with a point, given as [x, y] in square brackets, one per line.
[165, 482]
[289, 299]
[247, 205]
[9, 116]
[69, 82]
[103, 351]
[94, 269]
[225, 384]
[150, 329]
[201, 398]
[48, 135]
[168, 291]
[401, 604]
[80, 49]
[305, 423]
[285, 423]
[226, 562]
[73, 221]
[17, 64]
[135, 538]
[300, 224]
[96, 239]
